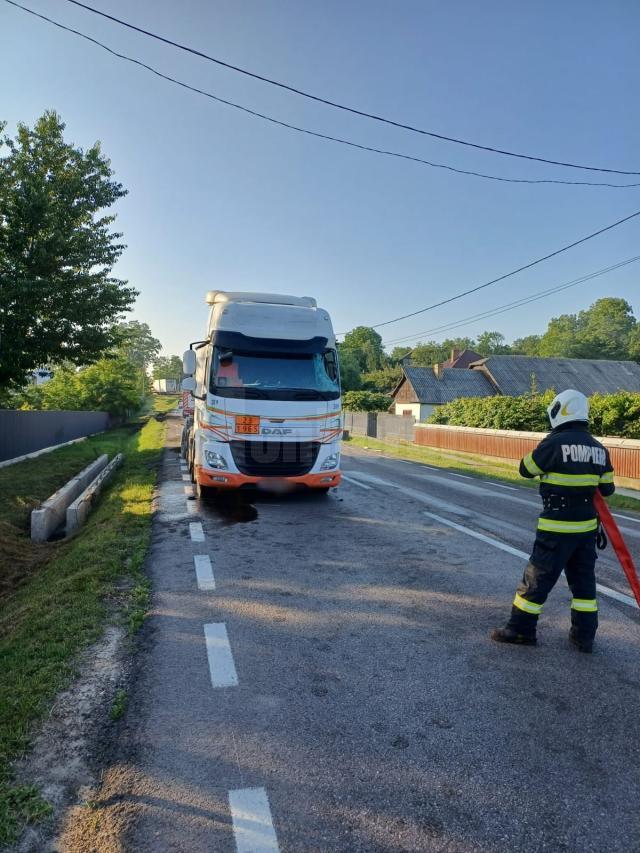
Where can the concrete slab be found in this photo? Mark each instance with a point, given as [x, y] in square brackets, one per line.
[52, 512]
[78, 511]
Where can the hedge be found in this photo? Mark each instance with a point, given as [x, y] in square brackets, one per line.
[365, 401]
[611, 414]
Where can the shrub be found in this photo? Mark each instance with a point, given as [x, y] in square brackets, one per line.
[611, 414]
[111, 385]
[365, 401]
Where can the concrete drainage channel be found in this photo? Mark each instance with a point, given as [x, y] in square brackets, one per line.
[67, 509]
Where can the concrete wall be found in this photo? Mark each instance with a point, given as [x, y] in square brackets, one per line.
[394, 428]
[27, 432]
[420, 411]
[361, 423]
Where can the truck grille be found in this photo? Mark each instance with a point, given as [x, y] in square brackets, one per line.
[275, 458]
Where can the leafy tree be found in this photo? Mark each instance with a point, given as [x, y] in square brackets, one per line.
[350, 371]
[492, 343]
[58, 299]
[633, 343]
[427, 353]
[529, 345]
[366, 344]
[111, 385]
[384, 380]
[561, 337]
[398, 353]
[365, 401]
[136, 343]
[432, 352]
[168, 367]
[605, 328]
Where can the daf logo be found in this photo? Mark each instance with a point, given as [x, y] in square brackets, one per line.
[275, 431]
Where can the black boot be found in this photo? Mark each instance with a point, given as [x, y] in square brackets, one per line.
[580, 643]
[508, 635]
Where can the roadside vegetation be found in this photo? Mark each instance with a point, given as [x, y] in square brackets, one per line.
[610, 414]
[56, 598]
[472, 464]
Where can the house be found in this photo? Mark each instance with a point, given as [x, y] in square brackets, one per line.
[422, 389]
[462, 358]
[514, 375]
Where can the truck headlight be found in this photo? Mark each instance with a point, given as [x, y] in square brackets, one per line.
[330, 462]
[214, 460]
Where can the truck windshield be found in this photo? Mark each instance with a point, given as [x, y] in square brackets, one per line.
[290, 376]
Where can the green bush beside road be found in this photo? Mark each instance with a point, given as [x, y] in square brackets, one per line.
[611, 414]
[56, 598]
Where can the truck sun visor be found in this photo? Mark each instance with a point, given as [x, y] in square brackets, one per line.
[238, 342]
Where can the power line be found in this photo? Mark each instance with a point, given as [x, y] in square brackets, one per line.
[339, 106]
[508, 274]
[509, 306]
[318, 135]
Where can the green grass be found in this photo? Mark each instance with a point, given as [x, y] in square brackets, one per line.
[57, 597]
[119, 705]
[164, 403]
[505, 471]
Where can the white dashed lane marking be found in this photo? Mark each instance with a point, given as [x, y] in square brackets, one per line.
[355, 482]
[501, 486]
[221, 665]
[252, 822]
[186, 478]
[196, 532]
[204, 572]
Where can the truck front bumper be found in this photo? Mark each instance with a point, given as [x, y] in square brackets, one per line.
[228, 480]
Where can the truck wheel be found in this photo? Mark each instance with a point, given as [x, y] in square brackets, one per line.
[203, 493]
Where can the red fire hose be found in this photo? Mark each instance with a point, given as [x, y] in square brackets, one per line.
[618, 544]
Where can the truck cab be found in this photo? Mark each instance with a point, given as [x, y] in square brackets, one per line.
[266, 385]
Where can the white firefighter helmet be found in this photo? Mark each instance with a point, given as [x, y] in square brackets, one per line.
[568, 406]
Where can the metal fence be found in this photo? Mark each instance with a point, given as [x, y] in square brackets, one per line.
[26, 432]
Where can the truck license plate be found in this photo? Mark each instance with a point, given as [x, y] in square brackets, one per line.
[247, 425]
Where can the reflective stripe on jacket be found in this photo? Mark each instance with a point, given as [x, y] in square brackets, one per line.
[571, 465]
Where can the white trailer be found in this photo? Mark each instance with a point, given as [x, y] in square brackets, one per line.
[266, 388]
[165, 386]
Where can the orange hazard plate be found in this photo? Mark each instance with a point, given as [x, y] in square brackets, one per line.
[247, 424]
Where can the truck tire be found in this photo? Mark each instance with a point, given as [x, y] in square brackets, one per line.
[203, 493]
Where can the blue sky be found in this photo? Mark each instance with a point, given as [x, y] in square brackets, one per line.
[221, 200]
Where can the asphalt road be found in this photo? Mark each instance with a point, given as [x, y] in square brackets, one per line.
[320, 678]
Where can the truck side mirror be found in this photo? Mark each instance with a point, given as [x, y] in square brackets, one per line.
[189, 362]
[189, 384]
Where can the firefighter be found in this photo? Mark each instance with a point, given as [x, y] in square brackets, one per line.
[571, 465]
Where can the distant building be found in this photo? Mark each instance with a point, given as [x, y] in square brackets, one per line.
[462, 358]
[41, 375]
[514, 375]
[422, 389]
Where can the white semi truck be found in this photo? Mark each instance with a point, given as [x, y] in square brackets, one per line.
[266, 384]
